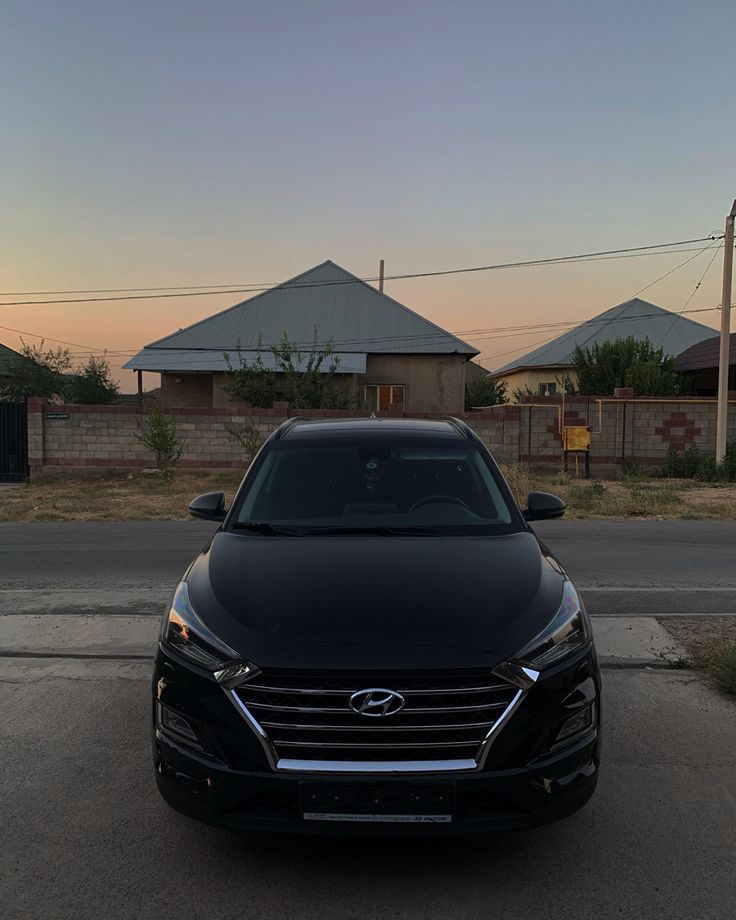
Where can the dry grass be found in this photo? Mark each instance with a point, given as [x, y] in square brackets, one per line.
[629, 498]
[711, 646]
[112, 495]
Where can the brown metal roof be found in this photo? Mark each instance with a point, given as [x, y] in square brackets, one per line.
[704, 354]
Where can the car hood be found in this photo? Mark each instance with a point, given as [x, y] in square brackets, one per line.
[375, 602]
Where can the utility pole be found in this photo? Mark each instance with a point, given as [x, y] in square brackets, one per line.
[380, 274]
[723, 361]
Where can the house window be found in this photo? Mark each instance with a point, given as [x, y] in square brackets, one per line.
[382, 397]
[547, 389]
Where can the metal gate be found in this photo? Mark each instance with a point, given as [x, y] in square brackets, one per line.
[13, 442]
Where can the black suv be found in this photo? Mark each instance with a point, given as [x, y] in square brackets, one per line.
[375, 640]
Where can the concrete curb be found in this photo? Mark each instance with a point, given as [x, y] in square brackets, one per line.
[635, 642]
[622, 642]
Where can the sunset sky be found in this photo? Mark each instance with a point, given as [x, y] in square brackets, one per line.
[161, 143]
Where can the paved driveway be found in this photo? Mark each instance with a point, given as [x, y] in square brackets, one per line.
[86, 836]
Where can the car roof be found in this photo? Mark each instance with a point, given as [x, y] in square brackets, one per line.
[374, 427]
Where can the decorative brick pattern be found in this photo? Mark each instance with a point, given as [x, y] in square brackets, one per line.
[105, 436]
[678, 430]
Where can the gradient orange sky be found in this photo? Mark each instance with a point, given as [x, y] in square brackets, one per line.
[248, 142]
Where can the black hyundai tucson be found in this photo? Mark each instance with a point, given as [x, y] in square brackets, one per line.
[375, 640]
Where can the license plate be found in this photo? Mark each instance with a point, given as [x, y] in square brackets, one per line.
[379, 803]
[378, 819]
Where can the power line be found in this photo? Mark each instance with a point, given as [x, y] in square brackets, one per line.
[35, 335]
[583, 257]
[491, 333]
[642, 316]
[692, 294]
[266, 285]
[647, 286]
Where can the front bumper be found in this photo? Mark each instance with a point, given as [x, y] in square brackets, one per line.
[526, 781]
[482, 802]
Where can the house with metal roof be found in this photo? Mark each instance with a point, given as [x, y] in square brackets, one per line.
[701, 361]
[542, 370]
[389, 355]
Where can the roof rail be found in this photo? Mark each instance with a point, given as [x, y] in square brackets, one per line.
[285, 427]
[460, 426]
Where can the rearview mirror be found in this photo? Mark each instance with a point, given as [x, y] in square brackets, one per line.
[210, 506]
[541, 506]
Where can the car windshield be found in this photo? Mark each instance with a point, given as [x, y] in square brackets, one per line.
[383, 487]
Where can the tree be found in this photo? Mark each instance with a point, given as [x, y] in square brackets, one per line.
[627, 363]
[93, 384]
[253, 384]
[158, 435]
[306, 376]
[39, 372]
[304, 379]
[484, 391]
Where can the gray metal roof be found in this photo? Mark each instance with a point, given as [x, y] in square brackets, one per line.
[183, 359]
[638, 318]
[344, 310]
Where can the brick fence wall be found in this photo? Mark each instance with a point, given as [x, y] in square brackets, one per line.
[105, 436]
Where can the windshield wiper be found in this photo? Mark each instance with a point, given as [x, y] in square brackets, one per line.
[373, 529]
[265, 527]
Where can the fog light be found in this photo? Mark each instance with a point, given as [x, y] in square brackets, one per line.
[575, 725]
[192, 784]
[176, 724]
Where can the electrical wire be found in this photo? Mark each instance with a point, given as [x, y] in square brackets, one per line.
[583, 257]
[692, 294]
[646, 288]
[485, 335]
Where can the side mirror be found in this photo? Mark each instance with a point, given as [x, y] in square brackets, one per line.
[210, 506]
[541, 506]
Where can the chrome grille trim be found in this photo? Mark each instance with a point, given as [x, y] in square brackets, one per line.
[406, 711]
[325, 692]
[377, 745]
[360, 734]
[294, 765]
[369, 728]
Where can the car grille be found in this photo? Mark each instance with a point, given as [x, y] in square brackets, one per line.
[446, 716]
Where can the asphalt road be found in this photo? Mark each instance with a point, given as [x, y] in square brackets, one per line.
[647, 567]
[86, 836]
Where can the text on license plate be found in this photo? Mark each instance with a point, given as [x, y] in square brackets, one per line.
[382, 819]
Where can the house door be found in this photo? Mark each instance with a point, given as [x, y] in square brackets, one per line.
[13, 442]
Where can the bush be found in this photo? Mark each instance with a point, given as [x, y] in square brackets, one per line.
[724, 668]
[631, 468]
[158, 435]
[692, 463]
[246, 436]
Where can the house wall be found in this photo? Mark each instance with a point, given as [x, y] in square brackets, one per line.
[530, 378]
[178, 390]
[221, 399]
[644, 429]
[434, 383]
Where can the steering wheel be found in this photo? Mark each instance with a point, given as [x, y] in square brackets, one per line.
[435, 499]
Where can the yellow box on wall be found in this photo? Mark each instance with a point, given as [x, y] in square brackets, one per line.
[576, 437]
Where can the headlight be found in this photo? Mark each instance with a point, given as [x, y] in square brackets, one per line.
[567, 632]
[184, 632]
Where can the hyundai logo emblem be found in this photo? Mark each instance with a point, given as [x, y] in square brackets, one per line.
[376, 702]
